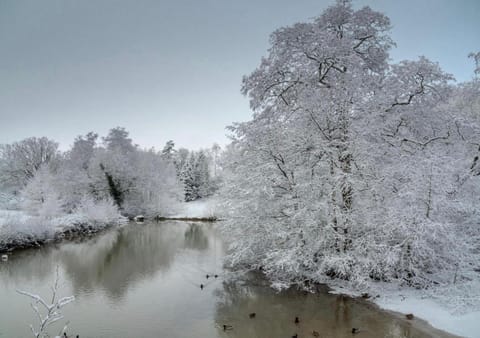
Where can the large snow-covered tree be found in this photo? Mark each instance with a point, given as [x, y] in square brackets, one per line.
[336, 174]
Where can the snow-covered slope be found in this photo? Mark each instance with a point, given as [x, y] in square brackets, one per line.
[203, 208]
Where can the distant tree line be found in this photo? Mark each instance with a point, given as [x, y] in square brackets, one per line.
[47, 181]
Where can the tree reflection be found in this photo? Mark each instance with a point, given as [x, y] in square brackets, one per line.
[195, 237]
[113, 261]
[129, 255]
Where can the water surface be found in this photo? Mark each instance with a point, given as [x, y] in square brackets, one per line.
[144, 281]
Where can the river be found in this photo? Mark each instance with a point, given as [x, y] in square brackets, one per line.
[144, 280]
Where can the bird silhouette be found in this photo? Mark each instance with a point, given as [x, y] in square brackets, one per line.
[252, 315]
[355, 330]
[227, 327]
[315, 333]
[201, 286]
[297, 320]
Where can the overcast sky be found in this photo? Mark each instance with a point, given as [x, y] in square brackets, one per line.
[172, 69]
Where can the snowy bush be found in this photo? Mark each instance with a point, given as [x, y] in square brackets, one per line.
[99, 213]
[19, 229]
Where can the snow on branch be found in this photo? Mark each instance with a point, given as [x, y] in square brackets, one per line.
[47, 313]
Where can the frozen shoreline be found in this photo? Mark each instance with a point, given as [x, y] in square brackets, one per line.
[441, 308]
[19, 230]
[465, 324]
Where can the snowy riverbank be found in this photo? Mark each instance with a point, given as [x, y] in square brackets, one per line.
[462, 320]
[453, 309]
[20, 230]
[199, 209]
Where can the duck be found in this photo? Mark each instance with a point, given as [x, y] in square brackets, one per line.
[208, 276]
[355, 330]
[296, 321]
[315, 333]
[295, 336]
[227, 327]
[216, 276]
[409, 316]
[201, 286]
[252, 315]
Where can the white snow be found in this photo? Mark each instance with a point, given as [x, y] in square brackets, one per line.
[18, 227]
[436, 313]
[202, 208]
[9, 214]
[451, 308]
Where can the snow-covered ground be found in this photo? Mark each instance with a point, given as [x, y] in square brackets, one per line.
[203, 208]
[444, 309]
[18, 229]
[451, 308]
[437, 315]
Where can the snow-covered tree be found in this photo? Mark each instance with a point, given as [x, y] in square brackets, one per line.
[168, 150]
[156, 189]
[41, 196]
[188, 178]
[343, 170]
[476, 58]
[74, 179]
[118, 140]
[20, 160]
[139, 181]
[194, 171]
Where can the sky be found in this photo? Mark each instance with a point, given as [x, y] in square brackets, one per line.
[172, 69]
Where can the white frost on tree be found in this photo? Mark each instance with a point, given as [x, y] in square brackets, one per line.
[46, 312]
[351, 168]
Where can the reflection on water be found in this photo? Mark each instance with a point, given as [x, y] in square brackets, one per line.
[144, 281]
[195, 237]
[120, 259]
[326, 314]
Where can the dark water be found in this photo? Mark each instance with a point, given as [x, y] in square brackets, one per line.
[144, 281]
